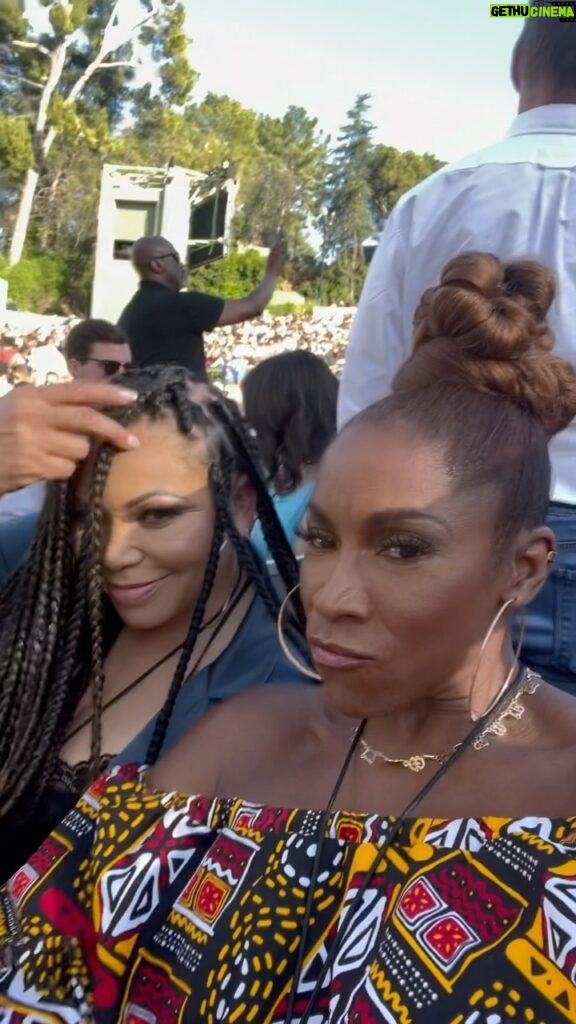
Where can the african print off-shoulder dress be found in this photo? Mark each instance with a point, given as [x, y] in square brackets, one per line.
[151, 908]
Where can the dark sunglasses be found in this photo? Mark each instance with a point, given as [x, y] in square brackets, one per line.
[111, 366]
[165, 256]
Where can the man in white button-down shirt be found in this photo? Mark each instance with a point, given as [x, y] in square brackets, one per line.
[515, 199]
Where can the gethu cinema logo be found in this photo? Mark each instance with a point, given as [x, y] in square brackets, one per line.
[564, 13]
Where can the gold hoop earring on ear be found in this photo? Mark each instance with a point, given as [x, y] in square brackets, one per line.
[283, 644]
[473, 716]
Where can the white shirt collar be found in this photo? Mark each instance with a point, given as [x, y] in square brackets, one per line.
[553, 119]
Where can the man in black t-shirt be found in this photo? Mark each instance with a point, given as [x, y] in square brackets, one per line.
[165, 325]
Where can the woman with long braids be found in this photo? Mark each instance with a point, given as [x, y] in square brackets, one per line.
[398, 844]
[141, 592]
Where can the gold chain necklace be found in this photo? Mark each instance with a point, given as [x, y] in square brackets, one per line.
[514, 709]
[417, 762]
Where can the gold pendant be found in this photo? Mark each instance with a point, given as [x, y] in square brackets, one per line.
[368, 754]
[415, 763]
[515, 709]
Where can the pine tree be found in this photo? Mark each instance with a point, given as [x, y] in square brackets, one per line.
[346, 219]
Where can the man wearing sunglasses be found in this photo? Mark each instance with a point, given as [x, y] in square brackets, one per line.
[96, 350]
[167, 326]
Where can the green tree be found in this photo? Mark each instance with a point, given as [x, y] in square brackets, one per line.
[341, 282]
[346, 220]
[36, 283]
[230, 129]
[284, 180]
[15, 148]
[391, 173]
[72, 81]
[14, 67]
[231, 277]
[279, 162]
[200, 136]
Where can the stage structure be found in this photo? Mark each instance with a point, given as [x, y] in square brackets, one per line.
[193, 210]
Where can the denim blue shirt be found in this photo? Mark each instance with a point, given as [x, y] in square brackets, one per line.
[254, 657]
[16, 539]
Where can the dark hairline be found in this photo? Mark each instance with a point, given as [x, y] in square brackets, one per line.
[89, 332]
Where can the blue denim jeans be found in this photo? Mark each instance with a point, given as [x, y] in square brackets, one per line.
[550, 641]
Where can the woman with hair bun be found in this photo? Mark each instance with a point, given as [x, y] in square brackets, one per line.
[399, 843]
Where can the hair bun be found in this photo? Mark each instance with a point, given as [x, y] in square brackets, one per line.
[484, 326]
[532, 285]
[490, 309]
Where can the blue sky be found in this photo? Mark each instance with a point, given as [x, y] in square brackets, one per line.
[438, 72]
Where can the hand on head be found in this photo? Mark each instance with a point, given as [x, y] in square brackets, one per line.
[45, 432]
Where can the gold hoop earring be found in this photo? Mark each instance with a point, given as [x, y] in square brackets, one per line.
[283, 644]
[501, 611]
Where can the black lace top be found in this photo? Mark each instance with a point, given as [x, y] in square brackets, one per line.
[21, 836]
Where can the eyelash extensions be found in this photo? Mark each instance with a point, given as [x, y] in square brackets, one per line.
[413, 547]
[159, 517]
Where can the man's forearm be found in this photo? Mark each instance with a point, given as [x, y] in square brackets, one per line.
[235, 311]
[261, 295]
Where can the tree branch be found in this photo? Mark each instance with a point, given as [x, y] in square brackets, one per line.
[115, 34]
[24, 44]
[120, 64]
[57, 62]
[25, 81]
[113, 38]
[31, 84]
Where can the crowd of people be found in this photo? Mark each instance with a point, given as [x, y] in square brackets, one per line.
[232, 351]
[287, 690]
[36, 355]
[31, 357]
